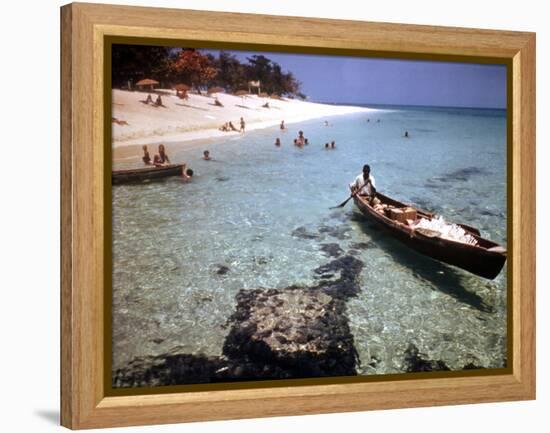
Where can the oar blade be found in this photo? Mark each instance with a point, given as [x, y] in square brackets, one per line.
[342, 204]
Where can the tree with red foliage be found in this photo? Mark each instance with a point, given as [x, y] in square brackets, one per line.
[193, 67]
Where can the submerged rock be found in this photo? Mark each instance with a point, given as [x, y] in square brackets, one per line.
[295, 332]
[331, 250]
[361, 245]
[472, 366]
[414, 362]
[348, 269]
[301, 232]
[340, 232]
[222, 270]
[179, 368]
[301, 330]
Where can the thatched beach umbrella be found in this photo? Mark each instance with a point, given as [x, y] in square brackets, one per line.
[183, 88]
[147, 82]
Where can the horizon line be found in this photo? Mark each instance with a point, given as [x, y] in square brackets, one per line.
[410, 105]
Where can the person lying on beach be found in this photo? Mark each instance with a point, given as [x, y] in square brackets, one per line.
[120, 122]
[149, 99]
[364, 185]
[186, 173]
[206, 155]
[243, 124]
[158, 102]
[277, 142]
[146, 157]
[233, 127]
[332, 144]
[161, 158]
[282, 126]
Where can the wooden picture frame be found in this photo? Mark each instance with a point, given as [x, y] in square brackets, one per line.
[84, 27]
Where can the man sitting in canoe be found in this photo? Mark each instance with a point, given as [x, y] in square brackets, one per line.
[364, 184]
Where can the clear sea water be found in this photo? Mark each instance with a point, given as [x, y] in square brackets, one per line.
[170, 238]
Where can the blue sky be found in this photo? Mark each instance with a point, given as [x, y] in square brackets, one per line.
[399, 82]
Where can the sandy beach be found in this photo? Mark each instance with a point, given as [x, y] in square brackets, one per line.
[197, 117]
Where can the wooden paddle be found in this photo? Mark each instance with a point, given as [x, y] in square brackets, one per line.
[348, 199]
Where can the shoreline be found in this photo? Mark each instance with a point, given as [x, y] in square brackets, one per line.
[198, 118]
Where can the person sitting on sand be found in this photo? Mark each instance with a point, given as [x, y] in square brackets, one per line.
[149, 99]
[233, 127]
[333, 144]
[224, 127]
[364, 185]
[266, 105]
[120, 122]
[206, 155]
[282, 126]
[243, 124]
[161, 158]
[278, 142]
[217, 102]
[146, 157]
[158, 102]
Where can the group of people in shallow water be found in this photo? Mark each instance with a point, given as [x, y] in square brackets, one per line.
[228, 126]
[161, 159]
[301, 140]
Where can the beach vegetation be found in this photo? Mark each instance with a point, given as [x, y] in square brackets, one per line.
[201, 70]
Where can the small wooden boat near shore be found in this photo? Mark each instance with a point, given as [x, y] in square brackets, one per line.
[482, 257]
[147, 173]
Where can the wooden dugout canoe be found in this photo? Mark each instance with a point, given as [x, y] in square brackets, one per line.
[147, 173]
[485, 259]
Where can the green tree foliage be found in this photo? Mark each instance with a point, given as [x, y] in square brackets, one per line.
[135, 62]
[170, 66]
[271, 76]
[232, 74]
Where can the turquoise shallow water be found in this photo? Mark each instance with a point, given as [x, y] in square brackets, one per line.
[241, 209]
